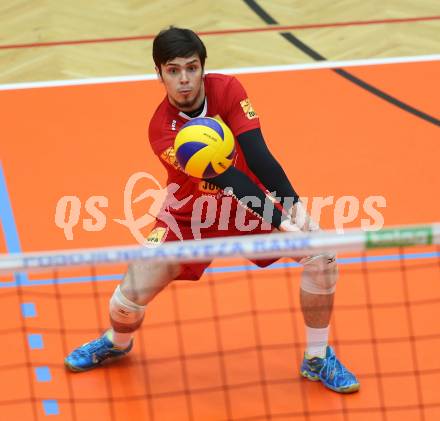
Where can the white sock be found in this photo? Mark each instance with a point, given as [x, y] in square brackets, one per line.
[317, 340]
[119, 339]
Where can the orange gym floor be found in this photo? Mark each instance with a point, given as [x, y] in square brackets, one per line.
[227, 347]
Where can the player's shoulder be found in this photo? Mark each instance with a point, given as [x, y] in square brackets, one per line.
[219, 77]
[162, 127]
[159, 119]
[220, 80]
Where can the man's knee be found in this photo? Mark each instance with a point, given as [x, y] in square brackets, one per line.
[125, 315]
[320, 274]
[143, 281]
[140, 285]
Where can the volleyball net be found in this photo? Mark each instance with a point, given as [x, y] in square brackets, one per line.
[227, 347]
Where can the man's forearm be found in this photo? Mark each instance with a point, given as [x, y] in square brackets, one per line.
[263, 164]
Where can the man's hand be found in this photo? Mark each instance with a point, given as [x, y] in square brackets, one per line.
[299, 221]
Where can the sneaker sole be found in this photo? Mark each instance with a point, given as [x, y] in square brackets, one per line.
[102, 363]
[308, 376]
[351, 389]
[76, 369]
[347, 390]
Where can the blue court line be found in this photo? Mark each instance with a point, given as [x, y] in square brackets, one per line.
[341, 261]
[42, 374]
[7, 222]
[7, 217]
[51, 407]
[12, 240]
[28, 310]
[35, 341]
[228, 269]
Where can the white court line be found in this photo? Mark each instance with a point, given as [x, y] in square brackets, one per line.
[242, 70]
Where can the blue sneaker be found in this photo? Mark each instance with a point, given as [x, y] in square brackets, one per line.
[93, 354]
[330, 372]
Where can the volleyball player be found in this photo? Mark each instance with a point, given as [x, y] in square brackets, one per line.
[179, 56]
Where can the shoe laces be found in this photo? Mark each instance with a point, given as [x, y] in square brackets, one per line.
[332, 366]
[91, 348]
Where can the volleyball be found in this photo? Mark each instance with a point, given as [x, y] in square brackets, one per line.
[204, 147]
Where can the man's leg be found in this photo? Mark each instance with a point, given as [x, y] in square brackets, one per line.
[318, 282]
[141, 283]
[317, 311]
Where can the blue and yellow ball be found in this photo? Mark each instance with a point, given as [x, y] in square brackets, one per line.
[204, 147]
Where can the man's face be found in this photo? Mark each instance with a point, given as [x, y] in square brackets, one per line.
[183, 80]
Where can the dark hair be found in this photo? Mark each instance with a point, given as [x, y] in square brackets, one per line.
[177, 42]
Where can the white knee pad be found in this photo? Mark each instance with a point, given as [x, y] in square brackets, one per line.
[124, 311]
[320, 274]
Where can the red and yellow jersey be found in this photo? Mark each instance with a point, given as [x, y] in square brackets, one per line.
[225, 98]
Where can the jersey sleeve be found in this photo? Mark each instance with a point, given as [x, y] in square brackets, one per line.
[240, 115]
[160, 138]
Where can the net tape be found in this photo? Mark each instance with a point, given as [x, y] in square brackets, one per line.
[295, 244]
